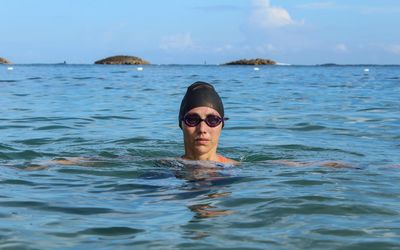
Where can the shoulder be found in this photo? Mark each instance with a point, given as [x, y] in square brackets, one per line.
[223, 159]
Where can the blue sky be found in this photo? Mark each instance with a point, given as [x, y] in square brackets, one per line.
[195, 31]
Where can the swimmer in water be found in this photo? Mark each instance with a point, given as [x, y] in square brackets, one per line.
[201, 118]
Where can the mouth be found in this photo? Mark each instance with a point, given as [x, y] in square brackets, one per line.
[201, 141]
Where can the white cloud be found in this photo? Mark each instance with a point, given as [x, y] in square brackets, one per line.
[394, 48]
[341, 47]
[266, 16]
[181, 41]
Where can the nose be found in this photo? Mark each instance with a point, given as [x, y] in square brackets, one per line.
[202, 126]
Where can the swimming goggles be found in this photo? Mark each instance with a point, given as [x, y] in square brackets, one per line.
[192, 120]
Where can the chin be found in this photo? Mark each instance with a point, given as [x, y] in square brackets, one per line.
[201, 149]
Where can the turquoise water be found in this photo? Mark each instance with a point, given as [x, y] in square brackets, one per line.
[127, 190]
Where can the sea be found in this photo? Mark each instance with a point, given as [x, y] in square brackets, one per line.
[90, 158]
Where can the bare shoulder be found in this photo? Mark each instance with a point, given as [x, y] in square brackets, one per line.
[226, 160]
[71, 160]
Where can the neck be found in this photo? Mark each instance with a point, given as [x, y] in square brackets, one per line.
[211, 156]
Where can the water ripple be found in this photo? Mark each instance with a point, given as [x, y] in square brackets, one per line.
[113, 117]
[105, 231]
[53, 127]
[26, 154]
[78, 173]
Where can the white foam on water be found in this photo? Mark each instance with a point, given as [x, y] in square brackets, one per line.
[366, 70]
[256, 68]
[10, 68]
[139, 68]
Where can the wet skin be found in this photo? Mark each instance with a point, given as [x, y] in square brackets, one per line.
[201, 141]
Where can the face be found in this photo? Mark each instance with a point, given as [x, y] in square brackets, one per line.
[202, 139]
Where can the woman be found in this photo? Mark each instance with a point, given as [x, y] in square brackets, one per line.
[201, 118]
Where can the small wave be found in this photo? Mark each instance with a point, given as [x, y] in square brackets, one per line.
[110, 231]
[18, 182]
[306, 182]
[21, 109]
[83, 78]
[148, 89]
[325, 209]
[24, 204]
[49, 119]
[372, 110]
[143, 188]
[100, 231]
[134, 140]
[255, 157]
[9, 80]
[71, 139]
[34, 78]
[110, 117]
[300, 147]
[13, 126]
[77, 210]
[307, 127]
[26, 154]
[60, 78]
[340, 232]
[53, 127]
[35, 142]
[247, 128]
[109, 88]
[6, 147]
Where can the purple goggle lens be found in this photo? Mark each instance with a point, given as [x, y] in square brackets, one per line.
[192, 120]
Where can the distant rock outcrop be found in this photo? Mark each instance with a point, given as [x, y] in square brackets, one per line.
[257, 61]
[4, 61]
[122, 60]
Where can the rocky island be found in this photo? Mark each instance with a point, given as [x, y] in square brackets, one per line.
[130, 60]
[257, 61]
[4, 61]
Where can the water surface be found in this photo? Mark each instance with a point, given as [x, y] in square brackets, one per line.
[129, 191]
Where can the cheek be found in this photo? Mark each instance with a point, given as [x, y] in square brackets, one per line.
[216, 133]
[188, 132]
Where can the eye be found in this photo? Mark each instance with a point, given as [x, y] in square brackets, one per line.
[213, 120]
[191, 119]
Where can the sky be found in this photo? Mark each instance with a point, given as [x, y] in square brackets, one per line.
[201, 31]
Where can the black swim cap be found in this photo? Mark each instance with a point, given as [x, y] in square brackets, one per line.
[200, 94]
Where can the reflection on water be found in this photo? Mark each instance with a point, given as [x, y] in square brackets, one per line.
[204, 182]
[203, 179]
